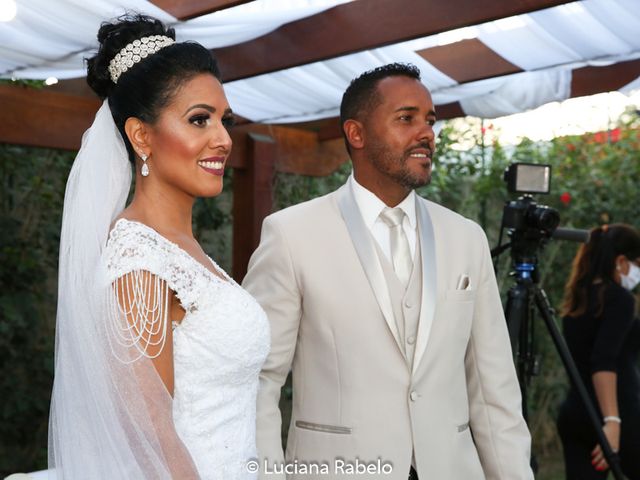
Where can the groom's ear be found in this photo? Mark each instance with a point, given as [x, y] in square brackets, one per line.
[353, 130]
[138, 133]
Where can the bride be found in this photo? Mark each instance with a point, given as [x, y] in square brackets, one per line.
[158, 350]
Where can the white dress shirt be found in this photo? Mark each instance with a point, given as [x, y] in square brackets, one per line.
[370, 207]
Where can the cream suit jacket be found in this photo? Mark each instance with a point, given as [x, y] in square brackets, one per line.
[355, 399]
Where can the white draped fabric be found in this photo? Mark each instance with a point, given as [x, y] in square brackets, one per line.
[50, 38]
[518, 92]
[547, 44]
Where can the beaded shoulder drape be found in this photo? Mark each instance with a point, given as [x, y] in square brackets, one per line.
[219, 346]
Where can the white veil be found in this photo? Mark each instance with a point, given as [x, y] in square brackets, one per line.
[109, 419]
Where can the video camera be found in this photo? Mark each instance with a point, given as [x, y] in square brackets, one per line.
[529, 224]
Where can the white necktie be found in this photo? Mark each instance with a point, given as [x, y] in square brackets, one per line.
[400, 251]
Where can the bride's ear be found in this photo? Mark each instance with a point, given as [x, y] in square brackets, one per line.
[138, 134]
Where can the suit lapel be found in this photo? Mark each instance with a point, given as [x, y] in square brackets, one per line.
[429, 276]
[365, 248]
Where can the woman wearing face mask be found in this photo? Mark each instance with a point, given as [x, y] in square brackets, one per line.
[603, 336]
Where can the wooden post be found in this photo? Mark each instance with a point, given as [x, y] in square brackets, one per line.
[252, 198]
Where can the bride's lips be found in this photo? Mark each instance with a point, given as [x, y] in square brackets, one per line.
[212, 165]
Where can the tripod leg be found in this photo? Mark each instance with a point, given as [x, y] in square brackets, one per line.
[516, 312]
[546, 311]
[517, 315]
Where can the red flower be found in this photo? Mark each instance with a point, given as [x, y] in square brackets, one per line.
[565, 198]
[600, 137]
[615, 135]
[571, 147]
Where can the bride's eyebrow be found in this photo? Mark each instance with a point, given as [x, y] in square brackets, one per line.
[201, 105]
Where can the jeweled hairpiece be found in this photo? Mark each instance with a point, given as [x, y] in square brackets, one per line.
[136, 51]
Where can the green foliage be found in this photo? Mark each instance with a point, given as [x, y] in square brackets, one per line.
[291, 189]
[213, 223]
[30, 214]
[37, 84]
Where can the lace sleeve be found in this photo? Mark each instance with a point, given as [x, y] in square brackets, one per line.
[139, 314]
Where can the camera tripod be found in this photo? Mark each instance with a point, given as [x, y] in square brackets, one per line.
[523, 298]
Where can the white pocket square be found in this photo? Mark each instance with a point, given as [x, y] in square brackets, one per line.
[463, 282]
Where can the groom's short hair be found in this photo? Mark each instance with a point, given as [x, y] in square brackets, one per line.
[361, 96]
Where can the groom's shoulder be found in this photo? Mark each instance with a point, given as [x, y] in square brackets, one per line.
[308, 212]
[440, 212]
[446, 218]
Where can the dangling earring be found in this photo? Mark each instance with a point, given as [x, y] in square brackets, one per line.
[145, 168]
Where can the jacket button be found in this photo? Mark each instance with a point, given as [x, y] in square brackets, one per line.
[414, 396]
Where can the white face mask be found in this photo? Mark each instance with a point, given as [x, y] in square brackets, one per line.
[632, 278]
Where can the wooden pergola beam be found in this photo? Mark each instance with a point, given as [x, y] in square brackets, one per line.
[468, 60]
[44, 119]
[471, 60]
[358, 26]
[186, 9]
[592, 80]
[47, 118]
[296, 150]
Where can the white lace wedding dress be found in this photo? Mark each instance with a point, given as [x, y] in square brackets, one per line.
[219, 348]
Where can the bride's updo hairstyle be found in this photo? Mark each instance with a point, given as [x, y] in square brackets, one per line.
[146, 87]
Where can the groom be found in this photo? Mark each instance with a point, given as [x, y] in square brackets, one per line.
[386, 307]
